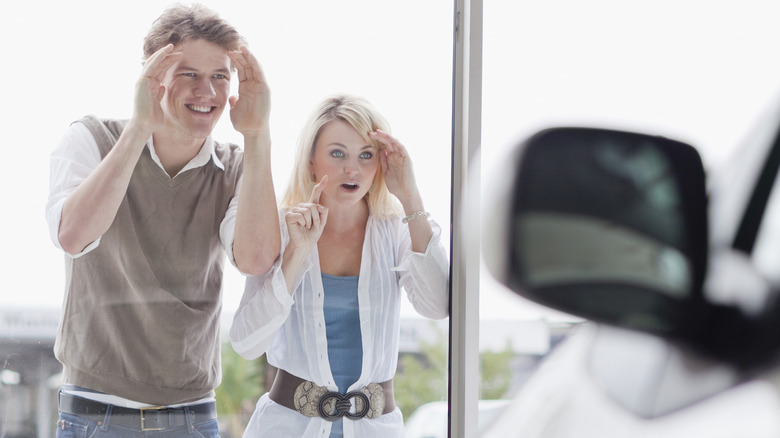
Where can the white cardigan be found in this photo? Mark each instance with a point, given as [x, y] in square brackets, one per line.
[291, 329]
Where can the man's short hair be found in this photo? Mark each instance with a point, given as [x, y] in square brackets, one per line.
[181, 23]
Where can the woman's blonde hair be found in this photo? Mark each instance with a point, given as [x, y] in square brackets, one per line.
[359, 114]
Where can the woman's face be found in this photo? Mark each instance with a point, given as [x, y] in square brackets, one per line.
[348, 160]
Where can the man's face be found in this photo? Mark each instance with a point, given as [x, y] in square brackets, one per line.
[197, 89]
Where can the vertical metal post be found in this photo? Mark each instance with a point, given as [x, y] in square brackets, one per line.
[464, 375]
[43, 402]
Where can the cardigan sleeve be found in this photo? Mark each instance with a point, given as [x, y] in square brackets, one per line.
[264, 308]
[425, 276]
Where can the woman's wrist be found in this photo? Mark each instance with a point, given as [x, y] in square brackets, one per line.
[412, 204]
[415, 215]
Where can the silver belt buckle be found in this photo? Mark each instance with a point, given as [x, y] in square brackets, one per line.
[316, 401]
[342, 405]
[143, 419]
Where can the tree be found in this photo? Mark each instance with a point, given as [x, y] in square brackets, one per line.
[496, 373]
[422, 377]
[243, 382]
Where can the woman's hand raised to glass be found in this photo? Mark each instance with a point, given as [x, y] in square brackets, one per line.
[397, 168]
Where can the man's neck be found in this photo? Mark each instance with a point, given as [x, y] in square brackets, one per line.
[175, 151]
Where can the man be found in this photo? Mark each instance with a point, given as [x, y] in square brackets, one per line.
[143, 209]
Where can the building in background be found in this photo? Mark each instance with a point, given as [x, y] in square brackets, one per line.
[30, 375]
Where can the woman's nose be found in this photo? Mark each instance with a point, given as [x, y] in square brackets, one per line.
[350, 168]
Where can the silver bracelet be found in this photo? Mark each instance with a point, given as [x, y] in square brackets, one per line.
[414, 216]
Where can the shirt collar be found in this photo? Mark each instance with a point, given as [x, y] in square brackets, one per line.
[207, 153]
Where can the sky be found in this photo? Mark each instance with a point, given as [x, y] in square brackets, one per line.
[697, 71]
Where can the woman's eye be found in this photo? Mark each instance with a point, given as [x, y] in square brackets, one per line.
[366, 155]
[337, 154]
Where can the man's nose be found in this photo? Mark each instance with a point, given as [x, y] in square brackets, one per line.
[204, 88]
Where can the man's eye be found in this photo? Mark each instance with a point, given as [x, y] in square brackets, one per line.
[220, 76]
[189, 74]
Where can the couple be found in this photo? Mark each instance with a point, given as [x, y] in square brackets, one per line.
[145, 207]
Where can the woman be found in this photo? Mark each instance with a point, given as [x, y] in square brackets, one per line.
[327, 314]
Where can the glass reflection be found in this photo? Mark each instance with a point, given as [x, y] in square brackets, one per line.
[333, 47]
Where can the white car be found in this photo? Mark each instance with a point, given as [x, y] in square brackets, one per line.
[679, 277]
[430, 419]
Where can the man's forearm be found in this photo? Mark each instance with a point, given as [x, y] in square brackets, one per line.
[257, 241]
[89, 211]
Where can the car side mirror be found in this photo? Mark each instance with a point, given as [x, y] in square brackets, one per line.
[612, 226]
[606, 225]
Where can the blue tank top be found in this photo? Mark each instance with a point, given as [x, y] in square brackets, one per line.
[342, 329]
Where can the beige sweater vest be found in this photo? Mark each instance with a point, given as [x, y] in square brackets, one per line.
[141, 311]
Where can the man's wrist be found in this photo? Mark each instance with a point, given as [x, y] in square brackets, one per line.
[141, 129]
[259, 136]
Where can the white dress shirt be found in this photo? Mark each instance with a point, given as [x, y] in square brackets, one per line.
[71, 162]
[291, 329]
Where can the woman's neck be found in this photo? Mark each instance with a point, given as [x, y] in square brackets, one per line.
[341, 243]
[342, 218]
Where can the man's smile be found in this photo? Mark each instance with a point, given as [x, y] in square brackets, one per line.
[201, 109]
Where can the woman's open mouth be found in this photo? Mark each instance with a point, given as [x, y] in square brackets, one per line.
[351, 187]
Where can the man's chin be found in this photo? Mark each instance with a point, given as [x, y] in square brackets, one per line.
[202, 130]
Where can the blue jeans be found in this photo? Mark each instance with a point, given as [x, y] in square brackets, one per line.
[73, 426]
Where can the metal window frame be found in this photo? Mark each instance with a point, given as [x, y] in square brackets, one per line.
[464, 376]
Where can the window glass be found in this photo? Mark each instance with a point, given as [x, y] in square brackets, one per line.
[84, 56]
[664, 68]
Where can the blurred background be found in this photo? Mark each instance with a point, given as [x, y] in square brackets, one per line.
[694, 71]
